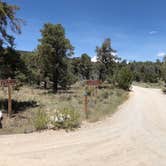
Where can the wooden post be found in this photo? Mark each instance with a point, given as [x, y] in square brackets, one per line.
[8, 83]
[96, 88]
[95, 92]
[9, 99]
[86, 106]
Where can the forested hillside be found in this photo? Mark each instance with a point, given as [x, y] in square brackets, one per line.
[53, 61]
[82, 68]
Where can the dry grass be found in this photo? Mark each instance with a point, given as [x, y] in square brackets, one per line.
[28, 100]
[106, 104]
[158, 85]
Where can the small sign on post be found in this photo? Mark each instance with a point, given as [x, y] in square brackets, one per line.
[95, 84]
[8, 83]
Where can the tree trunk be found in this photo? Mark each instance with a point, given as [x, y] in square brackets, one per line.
[55, 82]
[55, 87]
[45, 84]
[38, 83]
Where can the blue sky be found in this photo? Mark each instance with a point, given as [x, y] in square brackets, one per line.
[137, 28]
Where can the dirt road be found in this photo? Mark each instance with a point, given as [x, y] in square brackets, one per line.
[134, 136]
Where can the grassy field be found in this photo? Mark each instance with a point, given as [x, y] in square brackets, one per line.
[159, 85]
[27, 101]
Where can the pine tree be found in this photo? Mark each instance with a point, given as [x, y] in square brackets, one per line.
[53, 51]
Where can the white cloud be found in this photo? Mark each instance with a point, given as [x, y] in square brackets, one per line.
[114, 54]
[94, 59]
[153, 32]
[161, 54]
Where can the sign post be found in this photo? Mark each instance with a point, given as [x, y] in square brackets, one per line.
[92, 84]
[9, 100]
[95, 84]
[86, 104]
[8, 83]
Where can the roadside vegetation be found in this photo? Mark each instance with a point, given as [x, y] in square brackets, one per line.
[149, 74]
[158, 85]
[38, 109]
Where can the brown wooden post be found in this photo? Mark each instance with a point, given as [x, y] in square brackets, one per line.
[95, 94]
[86, 106]
[8, 83]
[9, 99]
[96, 90]
[93, 90]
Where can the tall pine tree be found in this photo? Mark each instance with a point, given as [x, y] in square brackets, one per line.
[53, 51]
[106, 59]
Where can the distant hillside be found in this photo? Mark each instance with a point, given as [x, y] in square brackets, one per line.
[24, 52]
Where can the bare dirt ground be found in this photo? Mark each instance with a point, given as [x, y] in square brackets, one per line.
[134, 136]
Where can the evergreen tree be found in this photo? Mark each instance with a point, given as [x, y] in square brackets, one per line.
[85, 66]
[8, 21]
[53, 51]
[106, 59]
[10, 61]
[11, 64]
[124, 78]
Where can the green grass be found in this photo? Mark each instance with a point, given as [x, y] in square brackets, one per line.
[41, 120]
[28, 102]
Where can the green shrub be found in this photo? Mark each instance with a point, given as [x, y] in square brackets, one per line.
[105, 95]
[65, 97]
[124, 78]
[88, 91]
[164, 90]
[40, 120]
[66, 119]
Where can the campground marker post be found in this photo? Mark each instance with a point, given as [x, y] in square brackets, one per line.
[94, 84]
[8, 83]
[86, 104]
